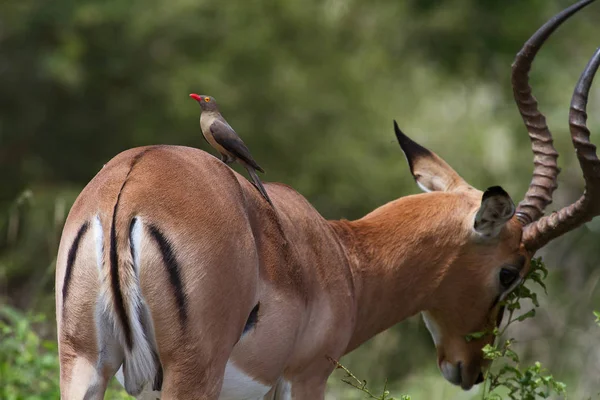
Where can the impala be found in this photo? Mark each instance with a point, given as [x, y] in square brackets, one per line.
[174, 269]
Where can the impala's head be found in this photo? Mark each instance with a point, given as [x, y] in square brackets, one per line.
[480, 258]
[488, 241]
[207, 103]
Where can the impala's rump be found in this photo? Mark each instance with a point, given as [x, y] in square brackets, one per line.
[137, 272]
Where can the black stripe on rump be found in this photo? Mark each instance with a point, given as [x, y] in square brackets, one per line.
[72, 256]
[168, 255]
[158, 379]
[252, 318]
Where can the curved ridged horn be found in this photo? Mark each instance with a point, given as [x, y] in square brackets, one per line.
[545, 171]
[538, 233]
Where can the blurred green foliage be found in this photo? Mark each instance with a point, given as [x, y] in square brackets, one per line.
[312, 87]
[29, 364]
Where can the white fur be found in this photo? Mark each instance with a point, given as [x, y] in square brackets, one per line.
[423, 188]
[85, 379]
[283, 391]
[140, 366]
[136, 235]
[433, 328]
[99, 240]
[239, 386]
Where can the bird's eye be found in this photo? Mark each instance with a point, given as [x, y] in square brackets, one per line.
[207, 99]
[508, 276]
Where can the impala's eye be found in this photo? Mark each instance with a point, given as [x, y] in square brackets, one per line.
[508, 276]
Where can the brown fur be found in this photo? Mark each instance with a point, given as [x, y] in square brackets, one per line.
[324, 287]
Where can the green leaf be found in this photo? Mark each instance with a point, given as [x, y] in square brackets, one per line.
[539, 280]
[528, 314]
[512, 355]
[508, 368]
[534, 299]
[491, 352]
[475, 336]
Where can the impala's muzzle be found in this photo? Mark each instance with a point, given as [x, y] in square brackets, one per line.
[460, 375]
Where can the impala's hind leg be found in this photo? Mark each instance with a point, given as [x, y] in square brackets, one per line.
[87, 363]
[86, 381]
[200, 300]
[194, 355]
[85, 372]
[192, 380]
[88, 353]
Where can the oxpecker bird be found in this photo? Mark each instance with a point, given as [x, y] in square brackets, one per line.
[220, 135]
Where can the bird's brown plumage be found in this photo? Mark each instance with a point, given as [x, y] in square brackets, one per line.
[221, 136]
[224, 134]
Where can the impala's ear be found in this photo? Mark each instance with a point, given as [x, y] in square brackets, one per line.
[430, 171]
[496, 209]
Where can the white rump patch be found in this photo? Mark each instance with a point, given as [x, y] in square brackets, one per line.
[136, 244]
[237, 385]
[140, 365]
[99, 240]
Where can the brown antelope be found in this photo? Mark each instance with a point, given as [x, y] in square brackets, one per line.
[172, 267]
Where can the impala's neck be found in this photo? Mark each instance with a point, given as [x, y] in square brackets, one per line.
[399, 255]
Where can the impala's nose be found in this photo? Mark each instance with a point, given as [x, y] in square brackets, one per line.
[452, 373]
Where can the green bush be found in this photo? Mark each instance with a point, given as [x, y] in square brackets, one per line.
[28, 364]
[29, 368]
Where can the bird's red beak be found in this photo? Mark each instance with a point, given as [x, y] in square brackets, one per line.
[195, 97]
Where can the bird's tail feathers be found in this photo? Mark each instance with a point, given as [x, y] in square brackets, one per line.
[257, 182]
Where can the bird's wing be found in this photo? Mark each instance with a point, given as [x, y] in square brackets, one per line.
[226, 137]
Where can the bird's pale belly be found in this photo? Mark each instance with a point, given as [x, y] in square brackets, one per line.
[215, 145]
[205, 128]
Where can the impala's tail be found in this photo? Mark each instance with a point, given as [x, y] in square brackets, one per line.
[124, 305]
